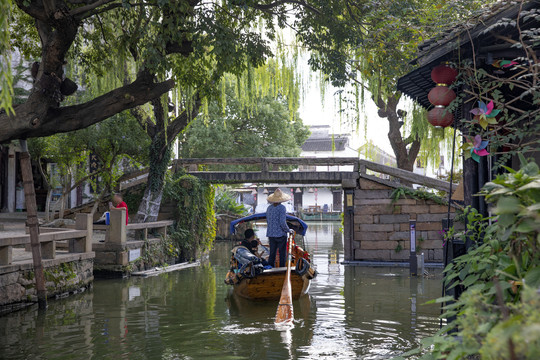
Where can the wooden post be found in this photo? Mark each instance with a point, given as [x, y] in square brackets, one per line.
[117, 229]
[33, 225]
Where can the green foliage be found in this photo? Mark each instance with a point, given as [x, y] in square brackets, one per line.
[155, 254]
[132, 197]
[118, 143]
[403, 192]
[225, 202]
[373, 47]
[159, 162]
[245, 125]
[6, 78]
[516, 98]
[196, 223]
[498, 313]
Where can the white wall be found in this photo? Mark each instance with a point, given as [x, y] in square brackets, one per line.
[347, 152]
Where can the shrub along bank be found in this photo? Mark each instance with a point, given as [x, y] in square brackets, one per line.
[498, 314]
[195, 228]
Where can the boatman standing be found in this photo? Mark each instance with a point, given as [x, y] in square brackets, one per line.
[277, 230]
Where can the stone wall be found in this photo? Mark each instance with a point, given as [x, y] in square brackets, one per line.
[18, 285]
[381, 228]
[113, 260]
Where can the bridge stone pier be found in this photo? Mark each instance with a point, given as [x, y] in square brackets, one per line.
[375, 228]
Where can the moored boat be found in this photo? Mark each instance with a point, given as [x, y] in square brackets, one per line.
[254, 281]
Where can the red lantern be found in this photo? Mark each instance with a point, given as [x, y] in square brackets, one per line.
[443, 74]
[440, 117]
[441, 95]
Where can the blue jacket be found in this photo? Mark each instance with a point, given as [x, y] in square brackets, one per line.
[276, 219]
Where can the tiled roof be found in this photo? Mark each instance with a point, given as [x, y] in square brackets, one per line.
[325, 144]
[455, 43]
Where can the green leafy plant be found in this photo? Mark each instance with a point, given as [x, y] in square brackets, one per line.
[403, 192]
[498, 314]
[195, 228]
[225, 201]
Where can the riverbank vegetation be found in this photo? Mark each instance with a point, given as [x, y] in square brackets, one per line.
[497, 315]
[195, 228]
[225, 201]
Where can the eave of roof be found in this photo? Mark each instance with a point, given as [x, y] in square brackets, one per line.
[417, 83]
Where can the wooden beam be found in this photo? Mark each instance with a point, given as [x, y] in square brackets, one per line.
[269, 160]
[406, 175]
[33, 225]
[149, 225]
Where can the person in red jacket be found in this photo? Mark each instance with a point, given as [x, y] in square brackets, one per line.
[117, 203]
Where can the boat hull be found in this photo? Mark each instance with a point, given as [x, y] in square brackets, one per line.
[268, 285]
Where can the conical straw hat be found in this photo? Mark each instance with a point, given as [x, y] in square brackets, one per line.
[278, 197]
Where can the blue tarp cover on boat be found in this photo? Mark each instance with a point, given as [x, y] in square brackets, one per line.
[299, 226]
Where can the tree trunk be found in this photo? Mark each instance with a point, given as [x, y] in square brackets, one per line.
[48, 205]
[405, 158]
[160, 155]
[150, 204]
[163, 136]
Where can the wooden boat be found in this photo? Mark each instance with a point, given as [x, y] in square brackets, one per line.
[255, 283]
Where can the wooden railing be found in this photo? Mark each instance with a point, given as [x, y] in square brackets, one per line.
[405, 175]
[80, 240]
[267, 163]
[115, 233]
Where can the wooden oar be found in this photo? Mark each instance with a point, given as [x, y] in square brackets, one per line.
[284, 314]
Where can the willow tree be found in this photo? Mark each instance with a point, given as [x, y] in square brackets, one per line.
[370, 47]
[267, 82]
[6, 86]
[247, 122]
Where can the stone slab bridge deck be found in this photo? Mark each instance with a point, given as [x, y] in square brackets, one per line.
[376, 228]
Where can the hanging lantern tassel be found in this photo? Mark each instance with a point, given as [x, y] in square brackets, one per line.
[440, 117]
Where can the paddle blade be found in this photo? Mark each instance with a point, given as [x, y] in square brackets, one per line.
[284, 314]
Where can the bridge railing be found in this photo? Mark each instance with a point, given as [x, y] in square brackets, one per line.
[116, 232]
[267, 164]
[80, 240]
[407, 177]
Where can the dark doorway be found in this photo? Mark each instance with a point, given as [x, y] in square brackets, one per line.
[337, 204]
[298, 199]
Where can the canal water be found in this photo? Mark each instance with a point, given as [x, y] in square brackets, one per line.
[351, 312]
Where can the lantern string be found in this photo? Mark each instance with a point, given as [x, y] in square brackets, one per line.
[449, 208]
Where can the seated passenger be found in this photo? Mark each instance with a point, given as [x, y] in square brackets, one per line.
[249, 241]
[252, 244]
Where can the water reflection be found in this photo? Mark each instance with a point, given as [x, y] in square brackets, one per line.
[352, 312]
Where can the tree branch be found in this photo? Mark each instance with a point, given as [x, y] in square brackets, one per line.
[89, 7]
[180, 123]
[144, 121]
[35, 9]
[75, 117]
[265, 7]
